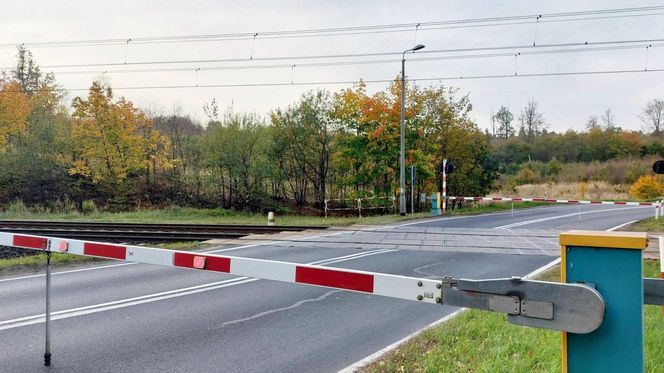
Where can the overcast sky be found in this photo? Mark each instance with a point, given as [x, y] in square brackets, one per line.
[566, 101]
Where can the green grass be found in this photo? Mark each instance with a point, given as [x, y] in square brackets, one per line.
[175, 214]
[648, 225]
[39, 260]
[478, 341]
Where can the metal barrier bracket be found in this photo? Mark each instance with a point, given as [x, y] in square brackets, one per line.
[573, 308]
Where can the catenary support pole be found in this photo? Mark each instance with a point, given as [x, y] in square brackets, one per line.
[412, 189]
[444, 186]
[47, 347]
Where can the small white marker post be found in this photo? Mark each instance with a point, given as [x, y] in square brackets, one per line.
[270, 218]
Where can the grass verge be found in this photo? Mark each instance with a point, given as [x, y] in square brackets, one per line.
[650, 225]
[175, 214]
[478, 341]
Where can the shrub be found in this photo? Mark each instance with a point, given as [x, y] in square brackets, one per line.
[17, 207]
[646, 187]
[88, 206]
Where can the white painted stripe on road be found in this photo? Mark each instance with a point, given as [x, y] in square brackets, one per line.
[622, 225]
[70, 271]
[148, 298]
[540, 220]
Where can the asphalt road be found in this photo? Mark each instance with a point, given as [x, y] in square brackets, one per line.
[121, 317]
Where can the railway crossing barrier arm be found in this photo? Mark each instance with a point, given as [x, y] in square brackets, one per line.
[577, 306]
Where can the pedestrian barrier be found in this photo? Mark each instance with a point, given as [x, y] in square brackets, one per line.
[599, 312]
[657, 205]
[370, 204]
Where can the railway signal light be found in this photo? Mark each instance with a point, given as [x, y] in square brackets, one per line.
[449, 168]
[658, 167]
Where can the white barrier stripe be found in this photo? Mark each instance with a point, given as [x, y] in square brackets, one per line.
[402, 287]
[562, 201]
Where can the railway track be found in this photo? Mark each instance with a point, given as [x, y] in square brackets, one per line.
[142, 232]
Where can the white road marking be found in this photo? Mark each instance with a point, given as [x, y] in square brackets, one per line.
[622, 225]
[70, 271]
[527, 222]
[148, 298]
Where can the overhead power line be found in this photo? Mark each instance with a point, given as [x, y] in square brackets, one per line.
[362, 62]
[370, 81]
[356, 30]
[523, 47]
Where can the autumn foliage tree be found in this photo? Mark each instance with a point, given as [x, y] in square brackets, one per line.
[114, 142]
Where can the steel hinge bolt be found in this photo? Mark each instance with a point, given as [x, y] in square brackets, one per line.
[438, 300]
[419, 283]
[419, 297]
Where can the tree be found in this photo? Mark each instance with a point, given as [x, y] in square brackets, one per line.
[653, 116]
[609, 119]
[532, 121]
[309, 128]
[504, 118]
[593, 123]
[114, 140]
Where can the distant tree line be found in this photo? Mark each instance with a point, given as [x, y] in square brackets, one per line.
[103, 148]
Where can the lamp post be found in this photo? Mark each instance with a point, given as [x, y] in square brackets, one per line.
[402, 161]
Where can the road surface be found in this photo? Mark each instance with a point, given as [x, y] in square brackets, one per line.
[123, 317]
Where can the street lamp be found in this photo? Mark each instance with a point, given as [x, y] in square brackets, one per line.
[402, 161]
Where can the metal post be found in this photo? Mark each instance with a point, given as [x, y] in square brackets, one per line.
[47, 349]
[402, 141]
[412, 189]
[656, 212]
[359, 207]
[444, 186]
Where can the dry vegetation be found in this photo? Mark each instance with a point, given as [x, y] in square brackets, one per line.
[569, 190]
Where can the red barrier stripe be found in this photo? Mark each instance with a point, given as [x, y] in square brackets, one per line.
[517, 199]
[572, 201]
[212, 263]
[551, 200]
[539, 200]
[595, 202]
[619, 203]
[496, 199]
[645, 203]
[105, 250]
[336, 279]
[30, 242]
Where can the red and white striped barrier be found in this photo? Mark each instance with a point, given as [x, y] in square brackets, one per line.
[394, 286]
[563, 201]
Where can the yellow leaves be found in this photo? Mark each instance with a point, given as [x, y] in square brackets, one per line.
[15, 107]
[647, 186]
[114, 140]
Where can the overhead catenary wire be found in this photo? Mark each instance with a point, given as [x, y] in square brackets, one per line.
[523, 47]
[355, 30]
[352, 82]
[358, 62]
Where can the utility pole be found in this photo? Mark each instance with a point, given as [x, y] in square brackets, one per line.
[402, 156]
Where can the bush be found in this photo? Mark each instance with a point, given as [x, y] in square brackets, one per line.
[646, 187]
[88, 207]
[17, 207]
